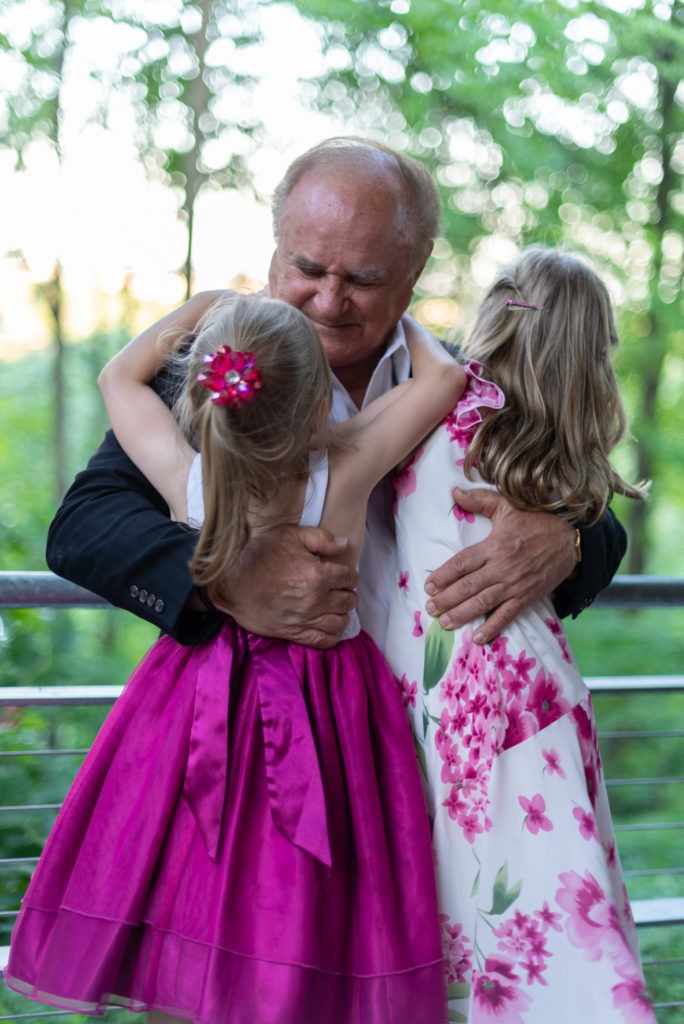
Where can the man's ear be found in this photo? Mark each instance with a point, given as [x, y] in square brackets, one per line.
[421, 267]
[272, 273]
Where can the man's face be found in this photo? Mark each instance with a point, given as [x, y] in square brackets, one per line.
[342, 259]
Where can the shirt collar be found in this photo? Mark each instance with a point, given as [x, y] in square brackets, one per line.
[394, 367]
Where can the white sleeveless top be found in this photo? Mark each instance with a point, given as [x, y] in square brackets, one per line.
[314, 500]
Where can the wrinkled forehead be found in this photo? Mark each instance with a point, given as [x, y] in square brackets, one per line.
[346, 211]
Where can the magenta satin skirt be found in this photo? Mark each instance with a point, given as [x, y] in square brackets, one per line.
[246, 843]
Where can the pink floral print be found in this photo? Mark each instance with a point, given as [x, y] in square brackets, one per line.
[408, 691]
[535, 819]
[458, 956]
[497, 992]
[404, 482]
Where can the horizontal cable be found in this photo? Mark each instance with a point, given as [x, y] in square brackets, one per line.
[654, 872]
[52, 752]
[34, 1016]
[30, 807]
[651, 826]
[81, 695]
[44, 590]
[635, 684]
[644, 782]
[663, 734]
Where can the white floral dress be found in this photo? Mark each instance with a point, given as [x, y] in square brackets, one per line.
[536, 922]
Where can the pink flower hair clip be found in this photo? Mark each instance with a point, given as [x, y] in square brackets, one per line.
[524, 305]
[234, 377]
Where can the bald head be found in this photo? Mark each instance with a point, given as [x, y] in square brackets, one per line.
[372, 170]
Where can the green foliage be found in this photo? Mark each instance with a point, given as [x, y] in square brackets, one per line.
[554, 123]
[43, 647]
[641, 736]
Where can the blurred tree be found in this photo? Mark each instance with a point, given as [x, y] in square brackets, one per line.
[179, 66]
[186, 72]
[183, 67]
[558, 123]
[31, 109]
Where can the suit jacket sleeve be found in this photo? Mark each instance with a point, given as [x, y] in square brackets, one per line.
[112, 535]
[603, 547]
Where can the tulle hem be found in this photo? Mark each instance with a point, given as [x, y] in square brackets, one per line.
[112, 965]
[393, 999]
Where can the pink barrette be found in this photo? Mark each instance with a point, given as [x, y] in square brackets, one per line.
[234, 377]
[524, 305]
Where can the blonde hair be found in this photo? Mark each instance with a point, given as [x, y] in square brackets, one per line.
[248, 452]
[548, 447]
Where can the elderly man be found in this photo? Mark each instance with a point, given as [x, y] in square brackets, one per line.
[354, 225]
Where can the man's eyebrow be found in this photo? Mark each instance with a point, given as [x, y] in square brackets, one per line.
[304, 264]
[362, 276]
[367, 276]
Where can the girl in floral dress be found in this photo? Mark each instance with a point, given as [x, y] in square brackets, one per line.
[247, 840]
[536, 923]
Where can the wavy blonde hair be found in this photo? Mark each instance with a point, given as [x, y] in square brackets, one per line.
[548, 447]
[249, 452]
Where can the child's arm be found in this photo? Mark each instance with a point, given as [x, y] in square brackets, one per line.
[143, 425]
[391, 426]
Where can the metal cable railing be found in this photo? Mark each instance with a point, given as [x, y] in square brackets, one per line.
[659, 907]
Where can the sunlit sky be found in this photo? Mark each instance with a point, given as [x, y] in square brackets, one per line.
[104, 220]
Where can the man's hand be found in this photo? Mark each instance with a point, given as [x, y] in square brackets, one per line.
[281, 587]
[525, 557]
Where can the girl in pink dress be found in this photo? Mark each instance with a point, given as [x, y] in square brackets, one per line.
[247, 839]
[536, 923]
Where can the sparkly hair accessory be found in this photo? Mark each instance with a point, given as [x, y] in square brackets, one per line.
[524, 305]
[234, 377]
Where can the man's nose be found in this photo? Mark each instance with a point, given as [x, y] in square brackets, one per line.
[331, 296]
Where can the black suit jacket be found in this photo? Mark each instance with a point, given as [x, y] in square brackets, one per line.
[112, 535]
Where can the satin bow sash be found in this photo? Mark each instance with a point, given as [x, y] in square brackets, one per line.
[293, 775]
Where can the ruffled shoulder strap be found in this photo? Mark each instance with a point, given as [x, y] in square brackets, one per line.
[479, 393]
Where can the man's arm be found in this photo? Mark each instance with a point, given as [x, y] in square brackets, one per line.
[602, 549]
[112, 535]
[528, 555]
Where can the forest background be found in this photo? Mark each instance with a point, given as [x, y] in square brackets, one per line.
[139, 144]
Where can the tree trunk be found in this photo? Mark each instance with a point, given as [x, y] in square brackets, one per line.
[198, 96]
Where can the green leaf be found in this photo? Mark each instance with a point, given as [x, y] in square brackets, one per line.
[438, 646]
[503, 896]
[420, 754]
[458, 990]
